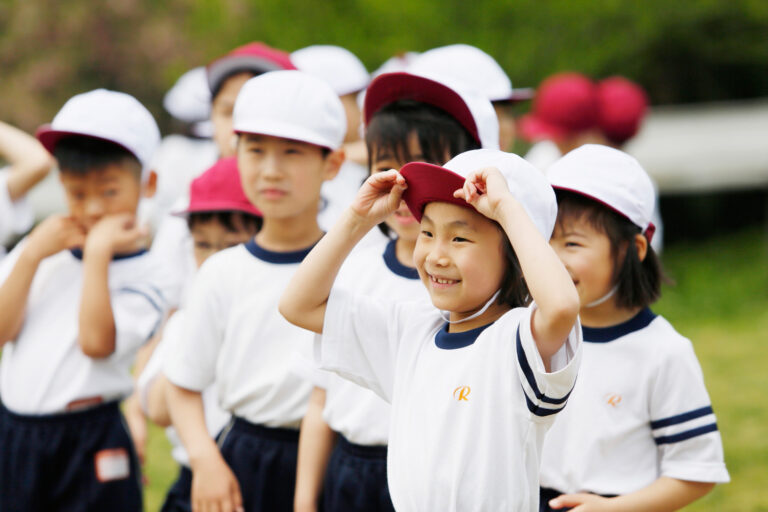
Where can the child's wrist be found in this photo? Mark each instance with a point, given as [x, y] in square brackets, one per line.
[356, 223]
[204, 456]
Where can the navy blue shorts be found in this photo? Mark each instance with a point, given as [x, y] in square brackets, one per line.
[356, 479]
[546, 494]
[179, 495]
[264, 461]
[75, 461]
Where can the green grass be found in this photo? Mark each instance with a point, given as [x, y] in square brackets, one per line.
[720, 302]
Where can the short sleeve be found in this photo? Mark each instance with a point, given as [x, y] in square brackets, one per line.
[546, 393]
[360, 340]
[193, 365]
[682, 420]
[154, 366]
[138, 310]
[16, 217]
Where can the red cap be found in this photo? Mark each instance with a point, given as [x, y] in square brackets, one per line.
[622, 107]
[429, 183]
[565, 103]
[391, 87]
[219, 189]
[254, 57]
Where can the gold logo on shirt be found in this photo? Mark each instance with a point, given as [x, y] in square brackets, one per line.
[461, 393]
[613, 399]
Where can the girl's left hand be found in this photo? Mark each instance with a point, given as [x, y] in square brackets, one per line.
[486, 190]
[581, 502]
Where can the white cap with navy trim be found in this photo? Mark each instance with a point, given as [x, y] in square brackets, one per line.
[108, 115]
[610, 177]
[291, 105]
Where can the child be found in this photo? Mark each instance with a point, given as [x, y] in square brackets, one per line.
[401, 127]
[219, 216]
[474, 386]
[29, 163]
[78, 299]
[291, 126]
[640, 424]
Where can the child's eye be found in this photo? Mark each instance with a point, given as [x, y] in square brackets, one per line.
[292, 151]
[110, 192]
[202, 245]
[426, 233]
[572, 244]
[255, 150]
[460, 239]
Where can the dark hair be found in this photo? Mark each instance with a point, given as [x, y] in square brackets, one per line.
[514, 290]
[227, 218]
[440, 136]
[639, 281]
[79, 154]
[220, 83]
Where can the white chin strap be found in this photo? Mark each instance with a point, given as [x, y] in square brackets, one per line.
[604, 298]
[447, 316]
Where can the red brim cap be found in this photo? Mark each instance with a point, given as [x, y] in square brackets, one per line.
[391, 87]
[49, 138]
[429, 183]
[219, 206]
[534, 129]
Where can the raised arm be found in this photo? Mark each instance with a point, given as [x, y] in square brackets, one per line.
[548, 281]
[29, 160]
[54, 234]
[304, 299]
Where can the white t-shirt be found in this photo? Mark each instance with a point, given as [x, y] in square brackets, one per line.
[16, 217]
[639, 412]
[469, 410]
[44, 370]
[235, 336]
[357, 413]
[174, 249]
[215, 418]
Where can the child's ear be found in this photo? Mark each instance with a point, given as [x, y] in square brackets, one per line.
[333, 163]
[149, 187]
[641, 244]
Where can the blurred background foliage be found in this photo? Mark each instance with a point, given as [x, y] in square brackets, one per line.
[686, 51]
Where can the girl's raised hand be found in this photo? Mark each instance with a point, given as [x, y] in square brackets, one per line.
[485, 189]
[379, 196]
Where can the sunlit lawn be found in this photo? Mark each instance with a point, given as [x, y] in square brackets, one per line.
[720, 302]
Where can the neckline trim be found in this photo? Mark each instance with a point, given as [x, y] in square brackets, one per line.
[78, 254]
[614, 332]
[454, 340]
[393, 264]
[278, 257]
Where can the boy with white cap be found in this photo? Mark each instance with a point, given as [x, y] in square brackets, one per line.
[290, 127]
[79, 297]
[347, 76]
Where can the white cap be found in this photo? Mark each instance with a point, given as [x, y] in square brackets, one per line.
[345, 73]
[292, 105]
[428, 183]
[610, 177]
[468, 65]
[189, 100]
[108, 115]
[472, 110]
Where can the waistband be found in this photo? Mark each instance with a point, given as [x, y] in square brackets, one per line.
[104, 410]
[361, 450]
[272, 433]
[546, 494]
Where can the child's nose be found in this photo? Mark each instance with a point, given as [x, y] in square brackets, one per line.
[94, 208]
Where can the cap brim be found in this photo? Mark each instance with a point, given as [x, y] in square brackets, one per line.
[517, 96]
[219, 69]
[428, 183]
[286, 131]
[49, 138]
[534, 129]
[217, 206]
[391, 87]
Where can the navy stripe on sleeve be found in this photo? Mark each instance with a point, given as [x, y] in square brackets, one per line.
[145, 295]
[682, 418]
[523, 361]
[688, 434]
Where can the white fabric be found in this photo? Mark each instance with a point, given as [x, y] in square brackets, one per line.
[461, 434]
[215, 418]
[114, 116]
[173, 248]
[543, 154]
[343, 71]
[44, 369]
[292, 105]
[338, 193]
[469, 65]
[609, 176]
[235, 336]
[525, 183]
[358, 413]
[16, 217]
[604, 443]
[189, 99]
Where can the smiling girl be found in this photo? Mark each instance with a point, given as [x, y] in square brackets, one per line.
[474, 387]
